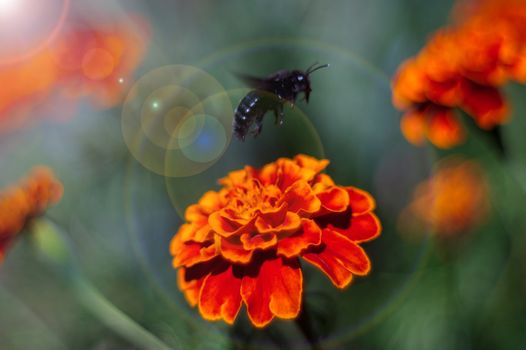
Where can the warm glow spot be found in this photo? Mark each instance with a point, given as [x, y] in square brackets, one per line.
[8, 6]
[452, 202]
[98, 64]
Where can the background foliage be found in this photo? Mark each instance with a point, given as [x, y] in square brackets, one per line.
[421, 294]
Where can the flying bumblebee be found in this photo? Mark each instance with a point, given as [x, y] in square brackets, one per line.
[270, 94]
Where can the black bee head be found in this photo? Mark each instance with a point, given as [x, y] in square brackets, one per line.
[301, 83]
[303, 80]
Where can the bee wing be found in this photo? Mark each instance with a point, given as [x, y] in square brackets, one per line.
[254, 82]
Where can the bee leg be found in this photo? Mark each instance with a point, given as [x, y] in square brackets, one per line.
[279, 115]
[291, 102]
[259, 126]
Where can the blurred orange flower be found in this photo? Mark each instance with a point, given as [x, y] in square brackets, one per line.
[243, 243]
[21, 203]
[463, 66]
[98, 63]
[82, 62]
[26, 83]
[453, 201]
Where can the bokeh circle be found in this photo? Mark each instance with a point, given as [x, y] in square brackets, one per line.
[176, 120]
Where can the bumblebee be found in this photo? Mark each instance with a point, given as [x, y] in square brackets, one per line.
[270, 94]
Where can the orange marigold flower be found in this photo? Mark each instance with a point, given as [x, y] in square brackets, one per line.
[464, 66]
[438, 124]
[243, 244]
[20, 203]
[453, 201]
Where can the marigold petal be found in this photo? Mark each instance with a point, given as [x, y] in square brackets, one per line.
[190, 280]
[334, 199]
[257, 240]
[194, 232]
[322, 182]
[360, 201]
[300, 198]
[445, 130]
[210, 201]
[407, 85]
[189, 288]
[274, 290]
[176, 244]
[193, 213]
[486, 104]
[186, 232]
[275, 215]
[312, 163]
[445, 93]
[289, 172]
[290, 223]
[225, 226]
[203, 234]
[339, 275]
[236, 177]
[338, 258]
[414, 126]
[191, 253]
[234, 251]
[268, 175]
[293, 245]
[220, 296]
[350, 254]
[364, 227]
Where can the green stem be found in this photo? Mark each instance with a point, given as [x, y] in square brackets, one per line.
[304, 323]
[112, 317]
[496, 138]
[58, 250]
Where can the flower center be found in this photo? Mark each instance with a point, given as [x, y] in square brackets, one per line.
[249, 200]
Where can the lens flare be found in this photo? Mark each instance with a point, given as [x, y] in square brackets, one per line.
[28, 27]
[8, 6]
[176, 120]
[209, 142]
[160, 119]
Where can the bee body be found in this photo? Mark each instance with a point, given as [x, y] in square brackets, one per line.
[270, 94]
[248, 116]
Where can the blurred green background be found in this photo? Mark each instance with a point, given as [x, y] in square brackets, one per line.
[121, 216]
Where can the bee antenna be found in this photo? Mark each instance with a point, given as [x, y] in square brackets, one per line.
[313, 68]
[310, 67]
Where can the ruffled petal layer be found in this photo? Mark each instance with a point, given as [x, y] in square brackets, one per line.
[274, 290]
[339, 258]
